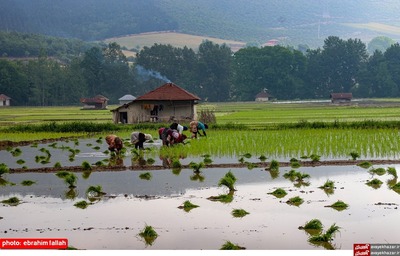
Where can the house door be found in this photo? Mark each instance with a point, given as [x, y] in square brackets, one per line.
[123, 117]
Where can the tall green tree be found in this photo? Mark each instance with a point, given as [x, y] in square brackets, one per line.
[13, 82]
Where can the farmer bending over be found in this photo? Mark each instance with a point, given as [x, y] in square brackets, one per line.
[138, 138]
[196, 126]
[114, 143]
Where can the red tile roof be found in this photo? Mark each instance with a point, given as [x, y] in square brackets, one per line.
[168, 91]
[4, 97]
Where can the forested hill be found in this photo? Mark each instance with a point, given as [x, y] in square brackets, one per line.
[291, 21]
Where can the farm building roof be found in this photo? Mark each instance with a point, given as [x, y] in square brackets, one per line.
[341, 95]
[4, 97]
[262, 95]
[127, 97]
[95, 99]
[168, 91]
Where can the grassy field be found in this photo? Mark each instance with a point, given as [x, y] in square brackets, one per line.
[139, 41]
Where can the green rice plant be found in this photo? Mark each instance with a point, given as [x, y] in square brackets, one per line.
[100, 163]
[250, 165]
[354, 155]
[86, 166]
[196, 166]
[95, 191]
[57, 165]
[328, 185]
[82, 204]
[375, 183]
[301, 176]
[247, 155]
[295, 201]
[148, 234]
[314, 224]
[315, 158]
[96, 147]
[365, 165]
[99, 140]
[295, 164]
[188, 206]
[392, 171]
[396, 187]
[325, 237]
[145, 176]
[273, 166]
[207, 160]
[197, 177]
[279, 193]
[239, 213]
[241, 160]
[16, 152]
[224, 198]
[27, 183]
[89, 144]
[12, 201]
[150, 161]
[176, 164]
[71, 180]
[378, 171]
[262, 158]
[86, 174]
[3, 169]
[62, 174]
[20, 161]
[230, 246]
[339, 205]
[71, 194]
[291, 175]
[228, 180]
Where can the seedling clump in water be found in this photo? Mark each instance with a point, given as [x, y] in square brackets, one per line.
[145, 176]
[314, 224]
[339, 205]
[279, 193]
[295, 201]
[230, 246]
[187, 206]
[27, 183]
[228, 180]
[13, 201]
[239, 213]
[375, 183]
[149, 235]
[82, 204]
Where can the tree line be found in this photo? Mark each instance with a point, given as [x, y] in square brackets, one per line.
[214, 73]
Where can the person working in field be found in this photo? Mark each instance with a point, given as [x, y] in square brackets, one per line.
[196, 127]
[178, 127]
[170, 136]
[114, 143]
[138, 138]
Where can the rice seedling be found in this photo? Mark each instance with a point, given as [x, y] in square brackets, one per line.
[71, 180]
[239, 213]
[392, 171]
[325, 237]
[354, 155]
[274, 174]
[82, 204]
[295, 164]
[95, 191]
[241, 160]
[224, 198]
[86, 174]
[314, 224]
[148, 234]
[100, 163]
[197, 177]
[262, 158]
[57, 165]
[150, 161]
[295, 201]
[279, 193]
[16, 152]
[145, 176]
[99, 140]
[375, 183]
[86, 166]
[196, 166]
[378, 171]
[339, 205]
[187, 206]
[315, 158]
[20, 161]
[96, 147]
[12, 201]
[27, 183]
[328, 185]
[230, 246]
[250, 165]
[365, 165]
[62, 174]
[273, 166]
[176, 164]
[228, 180]
[4, 169]
[247, 155]
[291, 175]
[89, 144]
[301, 176]
[207, 160]
[396, 187]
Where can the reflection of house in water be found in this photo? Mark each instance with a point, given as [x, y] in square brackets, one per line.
[166, 103]
[97, 102]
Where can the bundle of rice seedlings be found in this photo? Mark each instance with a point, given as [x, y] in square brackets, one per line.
[230, 246]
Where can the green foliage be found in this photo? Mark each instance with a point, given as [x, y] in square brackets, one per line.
[71, 180]
[187, 206]
[295, 201]
[150, 161]
[375, 183]
[279, 193]
[62, 174]
[239, 213]
[82, 204]
[354, 155]
[86, 166]
[196, 166]
[57, 165]
[339, 205]
[27, 183]
[176, 164]
[231, 246]
[262, 158]
[273, 166]
[148, 234]
[392, 171]
[228, 180]
[325, 237]
[314, 224]
[145, 176]
[13, 201]
[224, 198]
[329, 184]
[378, 171]
[3, 169]
[94, 191]
[365, 165]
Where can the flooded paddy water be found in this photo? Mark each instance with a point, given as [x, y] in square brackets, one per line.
[114, 220]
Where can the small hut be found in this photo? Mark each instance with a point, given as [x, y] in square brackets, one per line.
[263, 96]
[97, 102]
[341, 97]
[166, 103]
[4, 100]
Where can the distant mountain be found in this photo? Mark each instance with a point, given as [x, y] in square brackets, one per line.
[291, 22]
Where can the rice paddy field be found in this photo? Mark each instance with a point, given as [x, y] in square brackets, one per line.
[253, 187]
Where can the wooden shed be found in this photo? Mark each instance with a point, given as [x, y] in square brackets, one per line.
[341, 97]
[263, 96]
[166, 103]
[97, 102]
[4, 100]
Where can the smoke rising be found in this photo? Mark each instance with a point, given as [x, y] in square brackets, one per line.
[146, 74]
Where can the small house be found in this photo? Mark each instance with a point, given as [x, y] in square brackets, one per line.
[341, 97]
[4, 100]
[97, 102]
[126, 99]
[263, 96]
[166, 103]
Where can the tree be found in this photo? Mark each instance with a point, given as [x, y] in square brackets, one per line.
[380, 43]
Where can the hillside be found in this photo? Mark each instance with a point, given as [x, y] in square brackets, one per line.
[291, 22]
